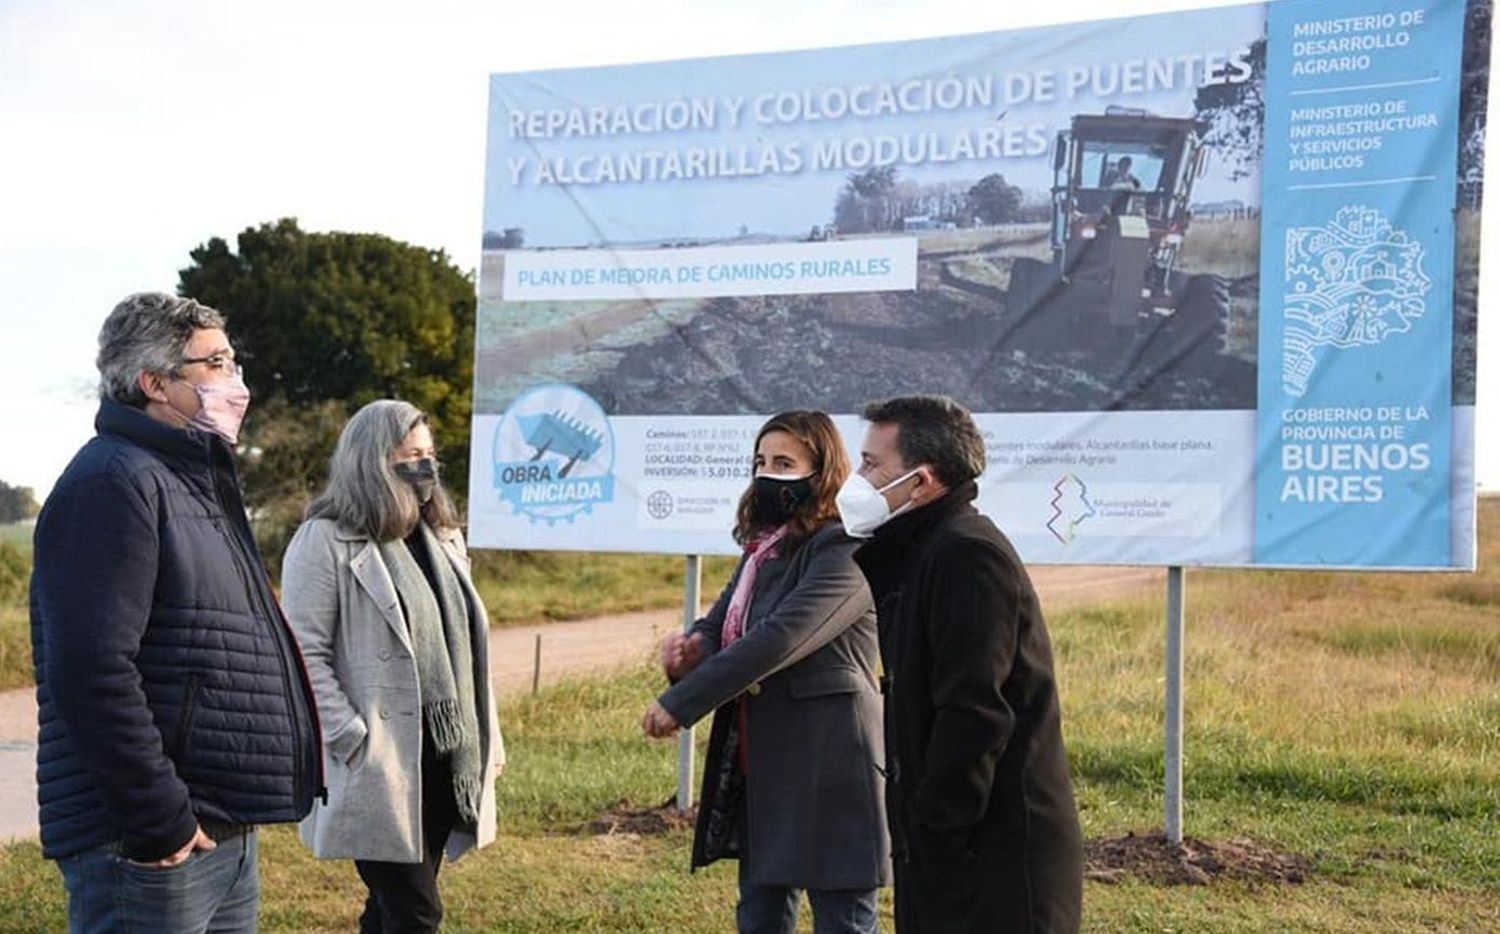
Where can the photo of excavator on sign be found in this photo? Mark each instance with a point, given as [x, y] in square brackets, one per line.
[1100, 285]
[1121, 211]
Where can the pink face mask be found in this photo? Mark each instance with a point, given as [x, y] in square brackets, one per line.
[221, 407]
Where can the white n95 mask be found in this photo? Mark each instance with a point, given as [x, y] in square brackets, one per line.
[863, 508]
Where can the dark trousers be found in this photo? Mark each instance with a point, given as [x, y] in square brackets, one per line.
[946, 890]
[215, 891]
[773, 909]
[404, 897]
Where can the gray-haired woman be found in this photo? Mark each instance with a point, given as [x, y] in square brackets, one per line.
[376, 584]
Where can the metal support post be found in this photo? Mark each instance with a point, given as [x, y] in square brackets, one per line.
[536, 665]
[692, 589]
[1176, 598]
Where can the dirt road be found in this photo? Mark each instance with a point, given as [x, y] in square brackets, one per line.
[619, 641]
[594, 645]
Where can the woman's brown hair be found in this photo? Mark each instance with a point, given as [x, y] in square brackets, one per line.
[830, 470]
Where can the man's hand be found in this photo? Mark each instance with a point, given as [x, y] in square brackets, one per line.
[681, 653]
[658, 723]
[200, 841]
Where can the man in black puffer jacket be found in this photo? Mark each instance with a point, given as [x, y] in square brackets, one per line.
[174, 708]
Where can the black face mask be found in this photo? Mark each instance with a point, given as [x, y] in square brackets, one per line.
[777, 499]
[421, 474]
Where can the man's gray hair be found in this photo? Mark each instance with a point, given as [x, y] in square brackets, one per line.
[364, 494]
[146, 333]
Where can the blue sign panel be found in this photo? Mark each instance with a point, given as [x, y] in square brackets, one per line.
[1354, 421]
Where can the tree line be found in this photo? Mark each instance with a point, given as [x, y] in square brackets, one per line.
[322, 324]
[17, 503]
[877, 200]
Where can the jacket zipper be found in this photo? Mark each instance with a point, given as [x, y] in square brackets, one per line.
[185, 722]
[299, 767]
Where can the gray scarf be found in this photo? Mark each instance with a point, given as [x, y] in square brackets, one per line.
[439, 626]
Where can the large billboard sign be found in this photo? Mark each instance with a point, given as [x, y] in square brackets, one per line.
[1208, 281]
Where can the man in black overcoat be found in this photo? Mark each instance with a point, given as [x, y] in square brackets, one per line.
[984, 827]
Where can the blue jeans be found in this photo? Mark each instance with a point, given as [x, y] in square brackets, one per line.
[772, 909]
[216, 892]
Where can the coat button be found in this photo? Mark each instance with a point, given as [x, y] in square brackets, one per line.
[753, 689]
[385, 655]
[385, 714]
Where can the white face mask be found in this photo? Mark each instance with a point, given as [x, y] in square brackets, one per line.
[863, 508]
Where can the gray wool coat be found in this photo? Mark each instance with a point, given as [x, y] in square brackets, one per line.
[814, 797]
[343, 608]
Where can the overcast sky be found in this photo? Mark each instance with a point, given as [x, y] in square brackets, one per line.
[133, 130]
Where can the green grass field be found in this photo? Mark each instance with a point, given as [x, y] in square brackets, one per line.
[1224, 247]
[15, 633]
[17, 534]
[1353, 719]
[15, 647]
[533, 586]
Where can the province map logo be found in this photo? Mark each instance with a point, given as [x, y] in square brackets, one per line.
[1353, 283]
[554, 454]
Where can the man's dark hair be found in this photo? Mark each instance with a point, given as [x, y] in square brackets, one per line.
[933, 430]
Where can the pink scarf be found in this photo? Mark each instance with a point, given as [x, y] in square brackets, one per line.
[757, 552]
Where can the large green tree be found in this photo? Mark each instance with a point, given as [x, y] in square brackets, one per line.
[1233, 116]
[994, 200]
[323, 323]
[1473, 99]
[864, 203]
[17, 503]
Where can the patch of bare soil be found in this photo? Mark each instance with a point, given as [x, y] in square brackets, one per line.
[768, 353]
[1195, 862]
[623, 818]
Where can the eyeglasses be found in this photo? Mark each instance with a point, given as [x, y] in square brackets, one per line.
[218, 362]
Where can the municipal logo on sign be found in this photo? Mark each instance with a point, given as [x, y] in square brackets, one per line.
[659, 504]
[554, 454]
[1070, 507]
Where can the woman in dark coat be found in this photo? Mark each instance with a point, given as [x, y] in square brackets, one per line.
[786, 659]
